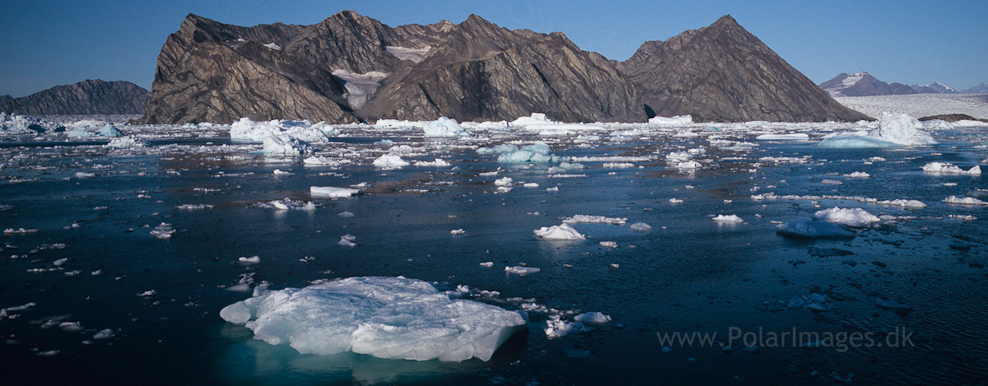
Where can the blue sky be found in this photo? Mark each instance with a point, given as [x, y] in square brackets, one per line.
[45, 43]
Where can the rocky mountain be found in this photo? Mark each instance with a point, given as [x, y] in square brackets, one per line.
[981, 88]
[84, 98]
[935, 88]
[724, 73]
[862, 84]
[351, 68]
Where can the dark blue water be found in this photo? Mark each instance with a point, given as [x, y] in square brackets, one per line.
[688, 274]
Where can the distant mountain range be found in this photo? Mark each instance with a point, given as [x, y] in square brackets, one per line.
[88, 97]
[864, 84]
[352, 68]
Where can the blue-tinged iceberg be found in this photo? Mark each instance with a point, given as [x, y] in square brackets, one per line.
[894, 130]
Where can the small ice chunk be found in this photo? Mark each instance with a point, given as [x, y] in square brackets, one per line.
[813, 229]
[964, 201]
[505, 181]
[559, 232]
[242, 287]
[675, 201]
[345, 214]
[458, 232]
[487, 264]
[332, 191]
[590, 219]
[852, 217]
[609, 244]
[640, 227]
[592, 318]
[731, 218]
[105, 333]
[948, 168]
[519, 270]
[249, 260]
[390, 161]
[163, 231]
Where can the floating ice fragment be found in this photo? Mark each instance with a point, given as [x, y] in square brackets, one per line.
[676, 120]
[458, 232]
[948, 168]
[589, 219]
[286, 145]
[505, 181]
[640, 227]
[163, 231]
[609, 244]
[852, 217]
[437, 163]
[558, 232]
[858, 175]
[813, 229]
[675, 201]
[487, 264]
[783, 137]
[519, 270]
[332, 191]
[390, 161]
[345, 214]
[893, 130]
[964, 201]
[249, 260]
[592, 318]
[105, 333]
[385, 317]
[444, 127]
[731, 218]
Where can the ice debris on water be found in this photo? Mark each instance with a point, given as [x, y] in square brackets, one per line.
[520, 270]
[332, 191]
[458, 232]
[386, 317]
[559, 232]
[813, 229]
[347, 240]
[163, 231]
[971, 201]
[534, 153]
[390, 161]
[444, 127]
[105, 333]
[814, 301]
[640, 227]
[949, 168]
[286, 146]
[591, 219]
[729, 219]
[852, 217]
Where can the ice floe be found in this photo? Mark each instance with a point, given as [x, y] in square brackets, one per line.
[444, 127]
[949, 168]
[813, 229]
[390, 161]
[559, 232]
[852, 217]
[676, 120]
[386, 317]
[728, 219]
[590, 219]
[534, 153]
[521, 270]
[332, 191]
[971, 201]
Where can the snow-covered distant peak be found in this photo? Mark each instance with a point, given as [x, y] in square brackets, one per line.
[935, 88]
[837, 85]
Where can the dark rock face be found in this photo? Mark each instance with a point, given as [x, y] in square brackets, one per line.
[84, 98]
[952, 118]
[724, 73]
[481, 71]
[863, 84]
[350, 68]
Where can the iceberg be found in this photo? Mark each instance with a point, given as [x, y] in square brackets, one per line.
[499, 149]
[248, 130]
[386, 317]
[852, 217]
[894, 130]
[558, 232]
[444, 127]
[814, 229]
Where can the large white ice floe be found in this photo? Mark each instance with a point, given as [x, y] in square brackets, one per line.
[676, 120]
[444, 127]
[387, 317]
[852, 217]
[949, 168]
[728, 219]
[814, 229]
[332, 191]
[559, 232]
[893, 130]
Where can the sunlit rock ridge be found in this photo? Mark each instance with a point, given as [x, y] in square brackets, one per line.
[352, 68]
[723, 73]
[88, 97]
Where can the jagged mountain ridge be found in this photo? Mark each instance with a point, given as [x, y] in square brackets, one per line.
[981, 88]
[724, 73]
[935, 88]
[352, 68]
[209, 71]
[863, 84]
[88, 97]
